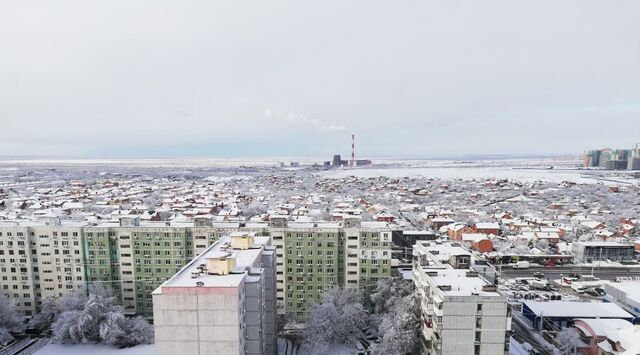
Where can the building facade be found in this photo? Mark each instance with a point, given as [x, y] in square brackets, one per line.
[461, 312]
[134, 257]
[40, 259]
[596, 251]
[222, 302]
[315, 256]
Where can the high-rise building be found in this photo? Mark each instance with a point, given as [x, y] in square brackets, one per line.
[40, 259]
[461, 312]
[222, 302]
[50, 257]
[315, 256]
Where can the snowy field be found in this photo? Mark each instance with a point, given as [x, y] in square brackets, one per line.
[222, 170]
[94, 349]
[468, 173]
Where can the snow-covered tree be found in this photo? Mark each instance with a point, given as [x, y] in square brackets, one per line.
[10, 321]
[254, 208]
[338, 319]
[542, 244]
[399, 328]
[568, 339]
[98, 318]
[48, 313]
[388, 292]
[118, 330]
[394, 306]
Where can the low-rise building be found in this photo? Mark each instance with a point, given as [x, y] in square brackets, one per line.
[597, 251]
[624, 294]
[556, 314]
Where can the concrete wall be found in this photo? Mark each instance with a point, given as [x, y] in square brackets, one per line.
[270, 302]
[198, 321]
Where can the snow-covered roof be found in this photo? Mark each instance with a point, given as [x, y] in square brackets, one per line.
[603, 326]
[564, 309]
[487, 225]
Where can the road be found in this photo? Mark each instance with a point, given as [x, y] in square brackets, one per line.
[603, 272]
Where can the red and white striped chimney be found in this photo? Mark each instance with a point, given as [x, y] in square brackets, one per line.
[353, 149]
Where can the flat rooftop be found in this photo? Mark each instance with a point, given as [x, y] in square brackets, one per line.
[245, 260]
[562, 309]
[631, 289]
[442, 251]
[461, 284]
[603, 244]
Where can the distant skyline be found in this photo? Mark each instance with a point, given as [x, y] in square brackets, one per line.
[296, 78]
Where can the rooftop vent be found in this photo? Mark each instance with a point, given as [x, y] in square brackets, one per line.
[445, 287]
[199, 284]
[490, 288]
[221, 264]
[472, 273]
[242, 242]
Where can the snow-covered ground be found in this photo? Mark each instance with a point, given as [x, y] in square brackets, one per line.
[94, 349]
[333, 350]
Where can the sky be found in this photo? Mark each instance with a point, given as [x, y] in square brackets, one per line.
[295, 78]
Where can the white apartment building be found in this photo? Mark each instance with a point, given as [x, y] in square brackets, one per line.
[40, 259]
[222, 302]
[461, 312]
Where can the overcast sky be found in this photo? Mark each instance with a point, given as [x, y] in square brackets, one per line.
[256, 78]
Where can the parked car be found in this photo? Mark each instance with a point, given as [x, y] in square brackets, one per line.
[522, 265]
[592, 292]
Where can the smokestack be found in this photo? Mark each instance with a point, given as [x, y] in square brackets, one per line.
[353, 149]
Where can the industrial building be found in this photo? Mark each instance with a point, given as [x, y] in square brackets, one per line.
[597, 251]
[624, 294]
[222, 302]
[461, 312]
[556, 314]
[338, 162]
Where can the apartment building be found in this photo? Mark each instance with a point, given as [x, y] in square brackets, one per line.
[135, 257]
[19, 271]
[222, 302]
[40, 259]
[315, 256]
[461, 312]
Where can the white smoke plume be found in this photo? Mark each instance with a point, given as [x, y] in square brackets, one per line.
[297, 119]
